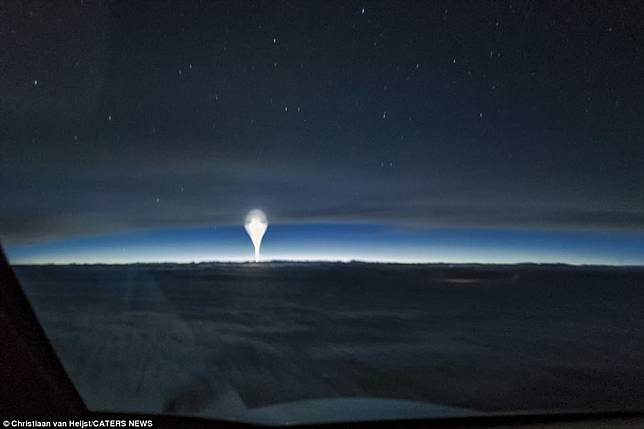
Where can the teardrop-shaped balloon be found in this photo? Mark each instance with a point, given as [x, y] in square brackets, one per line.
[256, 225]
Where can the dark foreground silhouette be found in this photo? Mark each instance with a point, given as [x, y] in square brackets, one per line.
[205, 338]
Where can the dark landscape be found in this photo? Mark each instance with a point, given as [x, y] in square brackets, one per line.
[191, 338]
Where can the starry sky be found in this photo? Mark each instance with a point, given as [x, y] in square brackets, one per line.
[396, 131]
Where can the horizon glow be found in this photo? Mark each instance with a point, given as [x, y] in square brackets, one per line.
[341, 242]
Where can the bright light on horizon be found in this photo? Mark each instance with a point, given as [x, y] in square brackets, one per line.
[446, 258]
[342, 243]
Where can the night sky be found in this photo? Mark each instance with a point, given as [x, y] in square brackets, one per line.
[392, 131]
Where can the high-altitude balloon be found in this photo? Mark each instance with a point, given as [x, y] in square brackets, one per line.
[256, 225]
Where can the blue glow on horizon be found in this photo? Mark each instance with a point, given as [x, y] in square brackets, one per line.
[342, 242]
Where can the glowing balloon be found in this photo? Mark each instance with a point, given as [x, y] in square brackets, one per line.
[256, 225]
